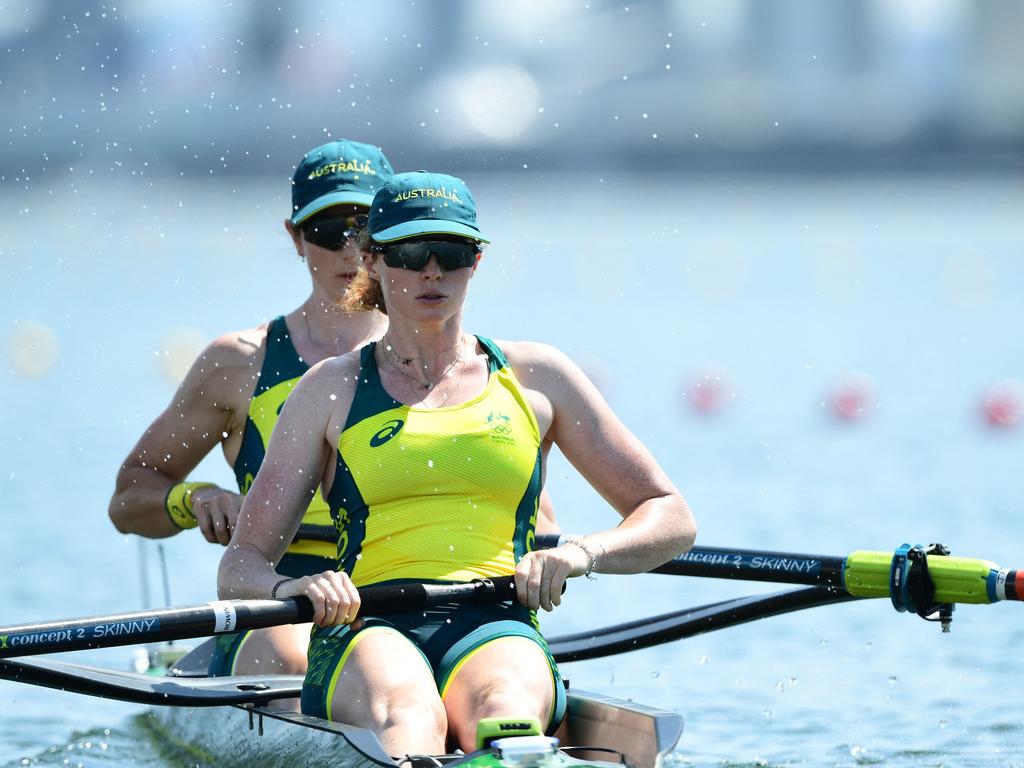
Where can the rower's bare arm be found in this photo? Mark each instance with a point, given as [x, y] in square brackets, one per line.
[202, 411]
[295, 465]
[657, 523]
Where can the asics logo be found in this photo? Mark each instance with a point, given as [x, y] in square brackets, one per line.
[386, 432]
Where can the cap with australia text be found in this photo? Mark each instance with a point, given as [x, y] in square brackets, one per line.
[337, 173]
[423, 203]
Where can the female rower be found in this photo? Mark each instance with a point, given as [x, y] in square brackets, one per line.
[430, 447]
[235, 388]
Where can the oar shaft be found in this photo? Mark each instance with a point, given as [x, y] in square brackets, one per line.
[226, 616]
[726, 563]
[774, 567]
[861, 574]
[151, 626]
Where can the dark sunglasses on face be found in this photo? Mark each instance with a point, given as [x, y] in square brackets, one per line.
[334, 232]
[415, 256]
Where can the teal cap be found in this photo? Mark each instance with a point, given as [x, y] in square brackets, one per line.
[340, 172]
[423, 203]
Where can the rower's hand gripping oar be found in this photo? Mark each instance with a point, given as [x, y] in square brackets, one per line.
[918, 580]
[225, 616]
[860, 574]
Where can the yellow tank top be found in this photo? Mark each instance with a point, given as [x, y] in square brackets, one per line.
[281, 371]
[443, 494]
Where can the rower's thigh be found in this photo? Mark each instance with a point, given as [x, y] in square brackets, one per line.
[508, 676]
[370, 678]
[274, 650]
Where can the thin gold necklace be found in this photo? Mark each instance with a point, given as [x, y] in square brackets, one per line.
[462, 372]
[401, 364]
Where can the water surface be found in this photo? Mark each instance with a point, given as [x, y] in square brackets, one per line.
[785, 284]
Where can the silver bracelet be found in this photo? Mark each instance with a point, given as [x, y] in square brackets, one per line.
[591, 557]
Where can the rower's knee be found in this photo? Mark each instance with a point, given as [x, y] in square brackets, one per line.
[501, 698]
[406, 720]
[413, 713]
[510, 700]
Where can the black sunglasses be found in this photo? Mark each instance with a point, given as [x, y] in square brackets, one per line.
[414, 256]
[334, 232]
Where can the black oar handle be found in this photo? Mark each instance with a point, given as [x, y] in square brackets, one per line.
[325, 533]
[226, 616]
[415, 596]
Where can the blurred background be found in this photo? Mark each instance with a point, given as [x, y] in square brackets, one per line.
[194, 89]
[783, 238]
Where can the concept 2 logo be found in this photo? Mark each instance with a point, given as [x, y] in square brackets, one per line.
[389, 430]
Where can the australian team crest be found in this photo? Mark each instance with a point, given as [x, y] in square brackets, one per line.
[501, 428]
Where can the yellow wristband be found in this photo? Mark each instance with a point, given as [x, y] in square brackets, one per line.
[178, 504]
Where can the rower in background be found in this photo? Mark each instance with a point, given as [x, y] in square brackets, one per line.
[234, 391]
[430, 446]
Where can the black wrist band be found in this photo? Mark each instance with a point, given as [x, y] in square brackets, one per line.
[273, 592]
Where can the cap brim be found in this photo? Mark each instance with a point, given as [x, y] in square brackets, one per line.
[338, 197]
[419, 227]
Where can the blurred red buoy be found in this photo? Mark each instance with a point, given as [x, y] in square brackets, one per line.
[1004, 403]
[853, 397]
[710, 390]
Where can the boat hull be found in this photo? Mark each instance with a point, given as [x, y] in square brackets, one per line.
[245, 736]
[272, 734]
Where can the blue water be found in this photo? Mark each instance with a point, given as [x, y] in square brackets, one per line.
[786, 284]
